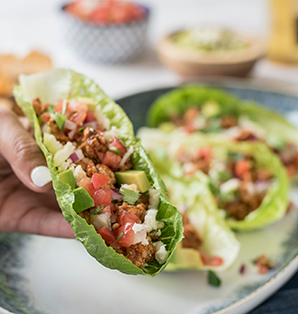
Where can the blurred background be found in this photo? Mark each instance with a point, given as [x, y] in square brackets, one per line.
[40, 25]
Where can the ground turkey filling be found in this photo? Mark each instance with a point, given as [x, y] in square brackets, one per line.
[98, 159]
[238, 185]
[193, 120]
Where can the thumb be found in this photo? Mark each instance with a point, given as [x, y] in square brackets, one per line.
[22, 153]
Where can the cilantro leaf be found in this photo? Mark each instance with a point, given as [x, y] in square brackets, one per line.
[95, 211]
[60, 120]
[120, 235]
[130, 197]
[213, 280]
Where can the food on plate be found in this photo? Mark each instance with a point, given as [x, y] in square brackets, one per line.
[263, 264]
[106, 12]
[192, 109]
[209, 38]
[105, 183]
[248, 182]
[208, 242]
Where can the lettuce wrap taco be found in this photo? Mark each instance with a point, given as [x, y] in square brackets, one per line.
[104, 181]
[192, 109]
[248, 182]
[208, 242]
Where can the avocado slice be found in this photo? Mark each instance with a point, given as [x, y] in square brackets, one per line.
[137, 177]
[68, 177]
[210, 109]
[83, 200]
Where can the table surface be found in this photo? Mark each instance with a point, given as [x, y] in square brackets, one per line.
[33, 24]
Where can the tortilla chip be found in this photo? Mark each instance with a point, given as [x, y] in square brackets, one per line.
[35, 62]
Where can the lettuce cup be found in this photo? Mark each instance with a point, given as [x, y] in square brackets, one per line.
[193, 109]
[249, 184]
[105, 183]
[208, 242]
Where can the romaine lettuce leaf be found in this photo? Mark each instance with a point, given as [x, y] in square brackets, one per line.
[177, 101]
[275, 203]
[193, 195]
[62, 83]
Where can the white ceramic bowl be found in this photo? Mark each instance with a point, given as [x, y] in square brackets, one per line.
[105, 44]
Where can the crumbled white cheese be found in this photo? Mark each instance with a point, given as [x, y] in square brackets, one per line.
[161, 253]
[153, 198]
[199, 122]
[252, 127]
[45, 129]
[63, 154]
[110, 134]
[50, 142]
[233, 132]
[140, 234]
[102, 118]
[189, 168]
[230, 185]
[79, 173]
[132, 187]
[66, 165]
[150, 222]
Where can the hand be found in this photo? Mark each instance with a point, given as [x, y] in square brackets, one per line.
[24, 206]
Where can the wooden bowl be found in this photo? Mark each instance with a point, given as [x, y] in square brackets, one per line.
[189, 62]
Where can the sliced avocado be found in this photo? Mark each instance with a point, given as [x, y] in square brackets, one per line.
[83, 200]
[88, 101]
[167, 127]
[210, 109]
[68, 177]
[137, 177]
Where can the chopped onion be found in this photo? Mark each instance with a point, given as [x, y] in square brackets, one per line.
[77, 155]
[71, 134]
[92, 124]
[102, 220]
[116, 195]
[69, 125]
[126, 156]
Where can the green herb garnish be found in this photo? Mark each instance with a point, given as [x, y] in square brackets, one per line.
[130, 197]
[39, 119]
[82, 129]
[64, 106]
[60, 120]
[120, 235]
[213, 280]
[95, 211]
[116, 150]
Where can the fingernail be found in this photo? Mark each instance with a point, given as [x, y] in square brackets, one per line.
[41, 176]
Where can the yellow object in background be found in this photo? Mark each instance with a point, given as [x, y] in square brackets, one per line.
[283, 44]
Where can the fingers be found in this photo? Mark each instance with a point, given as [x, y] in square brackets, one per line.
[22, 153]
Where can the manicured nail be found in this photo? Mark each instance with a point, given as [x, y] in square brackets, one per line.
[41, 176]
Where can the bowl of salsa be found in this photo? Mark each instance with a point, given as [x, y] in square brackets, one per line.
[107, 31]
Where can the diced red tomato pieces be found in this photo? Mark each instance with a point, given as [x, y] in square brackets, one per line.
[205, 152]
[45, 117]
[90, 116]
[78, 117]
[98, 180]
[189, 129]
[112, 160]
[242, 166]
[127, 217]
[108, 209]
[215, 261]
[74, 106]
[87, 185]
[59, 105]
[107, 235]
[127, 238]
[203, 257]
[116, 143]
[102, 197]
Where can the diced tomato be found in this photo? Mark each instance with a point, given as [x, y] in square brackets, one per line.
[116, 143]
[112, 160]
[215, 261]
[291, 170]
[242, 166]
[58, 106]
[127, 238]
[128, 217]
[45, 117]
[108, 209]
[98, 180]
[74, 106]
[205, 152]
[107, 235]
[90, 116]
[189, 129]
[78, 117]
[87, 185]
[204, 258]
[102, 197]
